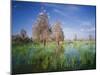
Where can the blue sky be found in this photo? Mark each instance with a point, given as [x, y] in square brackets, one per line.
[75, 19]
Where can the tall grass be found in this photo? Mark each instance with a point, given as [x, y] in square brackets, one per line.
[74, 56]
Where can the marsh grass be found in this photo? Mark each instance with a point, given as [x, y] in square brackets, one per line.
[31, 57]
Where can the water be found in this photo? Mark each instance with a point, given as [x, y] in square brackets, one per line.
[71, 53]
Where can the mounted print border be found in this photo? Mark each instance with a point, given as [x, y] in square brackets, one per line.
[52, 37]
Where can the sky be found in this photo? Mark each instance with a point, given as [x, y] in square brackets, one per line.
[77, 20]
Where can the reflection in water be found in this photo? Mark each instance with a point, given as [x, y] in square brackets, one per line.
[72, 53]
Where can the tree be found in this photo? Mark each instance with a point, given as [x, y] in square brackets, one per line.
[57, 32]
[75, 37]
[90, 37]
[22, 37]
[41, 28]
[23, 34]
[35, 33]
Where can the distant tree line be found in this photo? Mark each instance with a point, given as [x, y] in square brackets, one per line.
[22, 37]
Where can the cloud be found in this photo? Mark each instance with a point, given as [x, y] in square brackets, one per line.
[48, 14]
[87, 29]
[87, 26]
[69, 32]
[86, 23]
[73, 7]
[59, 12]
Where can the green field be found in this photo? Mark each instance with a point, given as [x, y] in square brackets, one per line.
[35, 57]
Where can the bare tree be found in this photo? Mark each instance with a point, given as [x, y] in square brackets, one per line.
[43, 33]
[41, 28]
[35, 33]
[57, 32]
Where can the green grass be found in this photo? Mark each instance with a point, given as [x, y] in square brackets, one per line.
[32, 57]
